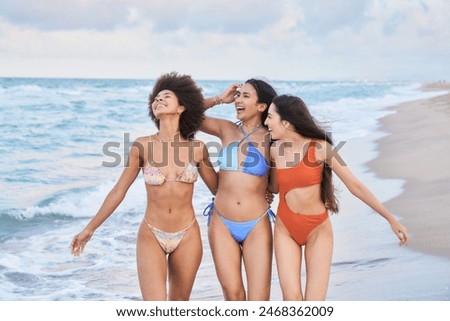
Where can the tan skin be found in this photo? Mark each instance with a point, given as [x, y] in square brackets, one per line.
[319, 244]
[169, 206]
[241, 197]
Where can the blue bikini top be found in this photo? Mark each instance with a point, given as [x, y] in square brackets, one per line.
[255, 163]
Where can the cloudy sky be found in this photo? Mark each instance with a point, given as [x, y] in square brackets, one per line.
[227, 39]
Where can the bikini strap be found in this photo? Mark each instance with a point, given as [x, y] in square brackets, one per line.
[271, 214]
[208, 211]
[246, 136]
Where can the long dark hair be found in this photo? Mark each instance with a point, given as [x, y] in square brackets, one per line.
[188, 94]
[294, 110]
[265, 93]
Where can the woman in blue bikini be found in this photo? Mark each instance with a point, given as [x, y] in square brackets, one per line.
[169, 246]
[239, 218]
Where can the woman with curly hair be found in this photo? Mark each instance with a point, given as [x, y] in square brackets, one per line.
[169, 246]
[304, 162]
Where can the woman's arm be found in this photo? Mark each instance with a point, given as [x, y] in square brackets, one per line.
[111, 202]
[224, 98]
[215, 126]
[357, 188]
[207, 171]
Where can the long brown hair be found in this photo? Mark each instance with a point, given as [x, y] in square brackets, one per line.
[295, 111]
[265, 92]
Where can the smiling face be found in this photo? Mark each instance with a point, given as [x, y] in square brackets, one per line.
[246, 102]
[166, 103]
[274, 123]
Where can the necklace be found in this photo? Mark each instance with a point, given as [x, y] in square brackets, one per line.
[161, 140]
[251, 132]
[250, 127]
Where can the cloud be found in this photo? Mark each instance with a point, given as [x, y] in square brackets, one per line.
[223, 17]
[289, 39]
[51, 15]
[323, 17]
[233, 16]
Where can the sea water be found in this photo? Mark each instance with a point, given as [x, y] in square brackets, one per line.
[56, 168]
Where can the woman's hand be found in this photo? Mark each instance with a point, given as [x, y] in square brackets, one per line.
[228, 95]
[401, 233]
[79, 242]
[269, 197]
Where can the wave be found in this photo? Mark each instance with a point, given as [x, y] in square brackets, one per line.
[78, 203]
[75, 203]
[98, 111]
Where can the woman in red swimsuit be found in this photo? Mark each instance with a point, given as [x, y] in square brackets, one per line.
[304, 161]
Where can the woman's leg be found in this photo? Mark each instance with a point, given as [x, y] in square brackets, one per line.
[288, 256]
[184, 263]
[226, 254]
[318, 254]
[257, 254]
[151, 266]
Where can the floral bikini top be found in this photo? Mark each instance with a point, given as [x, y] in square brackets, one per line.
[153, 176]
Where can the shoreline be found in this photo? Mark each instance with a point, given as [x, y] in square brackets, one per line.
[415, 151]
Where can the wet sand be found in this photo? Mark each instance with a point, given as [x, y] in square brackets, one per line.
[416, 150]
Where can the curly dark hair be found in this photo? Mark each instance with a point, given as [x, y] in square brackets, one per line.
[265, 93]
[188, 94]
[294, 110]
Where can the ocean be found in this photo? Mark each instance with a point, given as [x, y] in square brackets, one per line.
[55, 170]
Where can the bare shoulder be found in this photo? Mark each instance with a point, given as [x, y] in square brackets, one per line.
[263, 136]
[141, 144]
[138, 149]
[275, 145]
[275, 148]
[322, 150]
[143, 140]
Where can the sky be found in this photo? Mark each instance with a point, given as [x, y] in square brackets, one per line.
[227, 40]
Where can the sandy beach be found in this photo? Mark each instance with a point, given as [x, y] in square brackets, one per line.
[416, 151]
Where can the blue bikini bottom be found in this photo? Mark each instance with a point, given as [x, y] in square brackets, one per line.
[239, 230]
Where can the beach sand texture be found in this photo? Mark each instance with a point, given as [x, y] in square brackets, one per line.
[416, 150]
